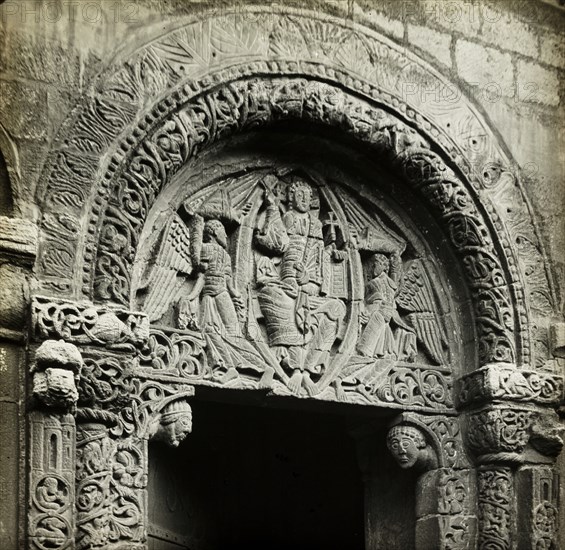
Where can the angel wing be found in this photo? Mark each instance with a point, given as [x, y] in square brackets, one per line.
[229, 201]
[173, 259]
[415, 296]
[372, 234]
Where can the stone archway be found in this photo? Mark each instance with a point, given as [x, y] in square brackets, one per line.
[143, 121]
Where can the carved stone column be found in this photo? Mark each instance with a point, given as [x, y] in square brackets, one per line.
[120, 408]
[51, 521]
[514, 436]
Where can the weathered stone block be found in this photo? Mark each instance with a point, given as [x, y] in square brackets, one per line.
[390, 26]
[435, 43]
[60, 354]
[55, 388]
[485, 67]
[446, 532]
[552, 49]
[9, 474]
[463, 17]
[27, 106]
[42, 60]
[508, 32]
[539, 84]
[12, 298]
[10, 370]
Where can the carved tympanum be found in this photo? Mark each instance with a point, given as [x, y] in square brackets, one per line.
[288, 283]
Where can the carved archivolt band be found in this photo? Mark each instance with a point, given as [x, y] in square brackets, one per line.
[95, 130]
[181, 127]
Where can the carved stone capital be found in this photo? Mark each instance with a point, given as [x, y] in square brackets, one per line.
[504, 381]
[106, 385]
[498, 434]
[88, 324]
[56, 372]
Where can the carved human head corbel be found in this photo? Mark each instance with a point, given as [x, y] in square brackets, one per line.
[410, 448]
[56, 374]
[175, 423]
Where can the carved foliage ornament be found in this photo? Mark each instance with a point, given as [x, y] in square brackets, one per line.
[83, 323]
[110, 485]
[176, 137]
[496, 497]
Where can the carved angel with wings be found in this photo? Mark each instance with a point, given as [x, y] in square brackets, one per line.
[197, 253]
[386, 290]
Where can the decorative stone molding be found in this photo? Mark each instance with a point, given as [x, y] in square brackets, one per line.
[271, 99]
[181, 357]
[140, 123]
[84, 323]
[503, 381]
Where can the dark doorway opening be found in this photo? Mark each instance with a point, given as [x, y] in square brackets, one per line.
[257, 478]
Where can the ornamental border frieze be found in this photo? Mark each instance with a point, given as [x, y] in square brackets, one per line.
[119, 96]
[126, 197]
[506, 382]
[179, 357]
